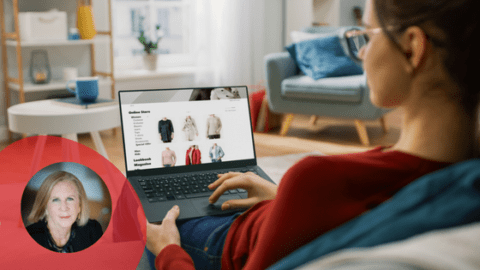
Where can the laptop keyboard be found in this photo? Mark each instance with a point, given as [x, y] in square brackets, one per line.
[163, 188]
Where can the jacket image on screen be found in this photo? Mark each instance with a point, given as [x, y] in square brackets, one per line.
[190, 128]
[193, 156]
[224, 93]
[165, 128]
[216, 153]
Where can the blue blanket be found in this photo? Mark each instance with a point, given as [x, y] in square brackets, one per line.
[440, 200]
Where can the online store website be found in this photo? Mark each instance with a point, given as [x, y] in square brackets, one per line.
[168, 128]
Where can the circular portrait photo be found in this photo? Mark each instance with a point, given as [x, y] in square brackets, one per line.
[66, 207]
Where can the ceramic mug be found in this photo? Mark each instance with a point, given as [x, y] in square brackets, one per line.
[70, 73]
[86, 88]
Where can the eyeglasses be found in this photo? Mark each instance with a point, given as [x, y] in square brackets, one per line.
[357, 39]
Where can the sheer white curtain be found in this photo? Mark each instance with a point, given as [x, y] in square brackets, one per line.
[228, 41]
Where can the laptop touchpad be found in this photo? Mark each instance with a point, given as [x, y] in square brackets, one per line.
[203, 206]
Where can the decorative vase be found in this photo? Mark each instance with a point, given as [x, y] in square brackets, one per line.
[39, 67]
[150, 61]
[85, 22]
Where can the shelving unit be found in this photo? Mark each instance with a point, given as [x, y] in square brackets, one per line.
[53, 85]
[13, 43]
[12, 40]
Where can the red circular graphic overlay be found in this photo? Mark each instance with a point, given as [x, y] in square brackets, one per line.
[121, 245]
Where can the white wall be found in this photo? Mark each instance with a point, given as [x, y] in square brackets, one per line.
[160, 82]
[303, 13]
[299, 14]
[336, 12]
[272, 36]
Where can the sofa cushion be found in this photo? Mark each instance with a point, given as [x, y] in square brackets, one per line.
[444, 199]
[323, 57]
[299, 36]
[347, 89]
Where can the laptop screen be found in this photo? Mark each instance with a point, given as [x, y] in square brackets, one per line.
[166, 130]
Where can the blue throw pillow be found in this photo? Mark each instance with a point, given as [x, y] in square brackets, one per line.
[323, 57]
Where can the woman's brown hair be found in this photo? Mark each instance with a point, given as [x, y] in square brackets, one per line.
[452, 25]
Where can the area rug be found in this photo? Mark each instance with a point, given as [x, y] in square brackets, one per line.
[276, 166]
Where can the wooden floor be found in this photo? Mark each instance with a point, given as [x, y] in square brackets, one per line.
[328, 136]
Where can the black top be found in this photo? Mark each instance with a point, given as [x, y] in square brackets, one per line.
[165, 128]
[80, 237]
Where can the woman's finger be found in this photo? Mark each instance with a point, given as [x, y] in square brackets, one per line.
[172, 215]
[231, 183]
[222, 178]
[239, 204]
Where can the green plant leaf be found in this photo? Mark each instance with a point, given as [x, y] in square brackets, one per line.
[148, 45]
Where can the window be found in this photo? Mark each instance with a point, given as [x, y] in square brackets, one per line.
[174, 19]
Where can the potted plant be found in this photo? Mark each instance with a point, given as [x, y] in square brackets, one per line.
[149, 46]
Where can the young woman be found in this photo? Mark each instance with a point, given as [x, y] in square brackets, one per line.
[420, 57]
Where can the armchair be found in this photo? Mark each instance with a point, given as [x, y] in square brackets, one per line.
[290, 91]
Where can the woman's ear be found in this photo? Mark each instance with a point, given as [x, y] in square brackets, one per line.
[414, 40]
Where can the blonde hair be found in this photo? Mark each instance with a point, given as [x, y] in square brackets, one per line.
[41, 199]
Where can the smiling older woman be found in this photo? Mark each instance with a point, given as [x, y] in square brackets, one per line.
[61, 216]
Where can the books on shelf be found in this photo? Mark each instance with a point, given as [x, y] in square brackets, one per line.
[77, 103]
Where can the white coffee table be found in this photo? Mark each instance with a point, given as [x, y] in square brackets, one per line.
[47, 117]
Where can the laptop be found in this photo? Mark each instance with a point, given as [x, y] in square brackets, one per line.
[176, 142]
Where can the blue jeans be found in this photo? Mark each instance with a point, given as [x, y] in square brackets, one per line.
[203, 239]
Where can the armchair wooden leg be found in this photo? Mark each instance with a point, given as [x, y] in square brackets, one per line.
[286, 124]
[313, 120]
[362, 132]
[384, 124]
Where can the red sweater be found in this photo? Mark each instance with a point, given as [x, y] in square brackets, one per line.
[316, 195]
